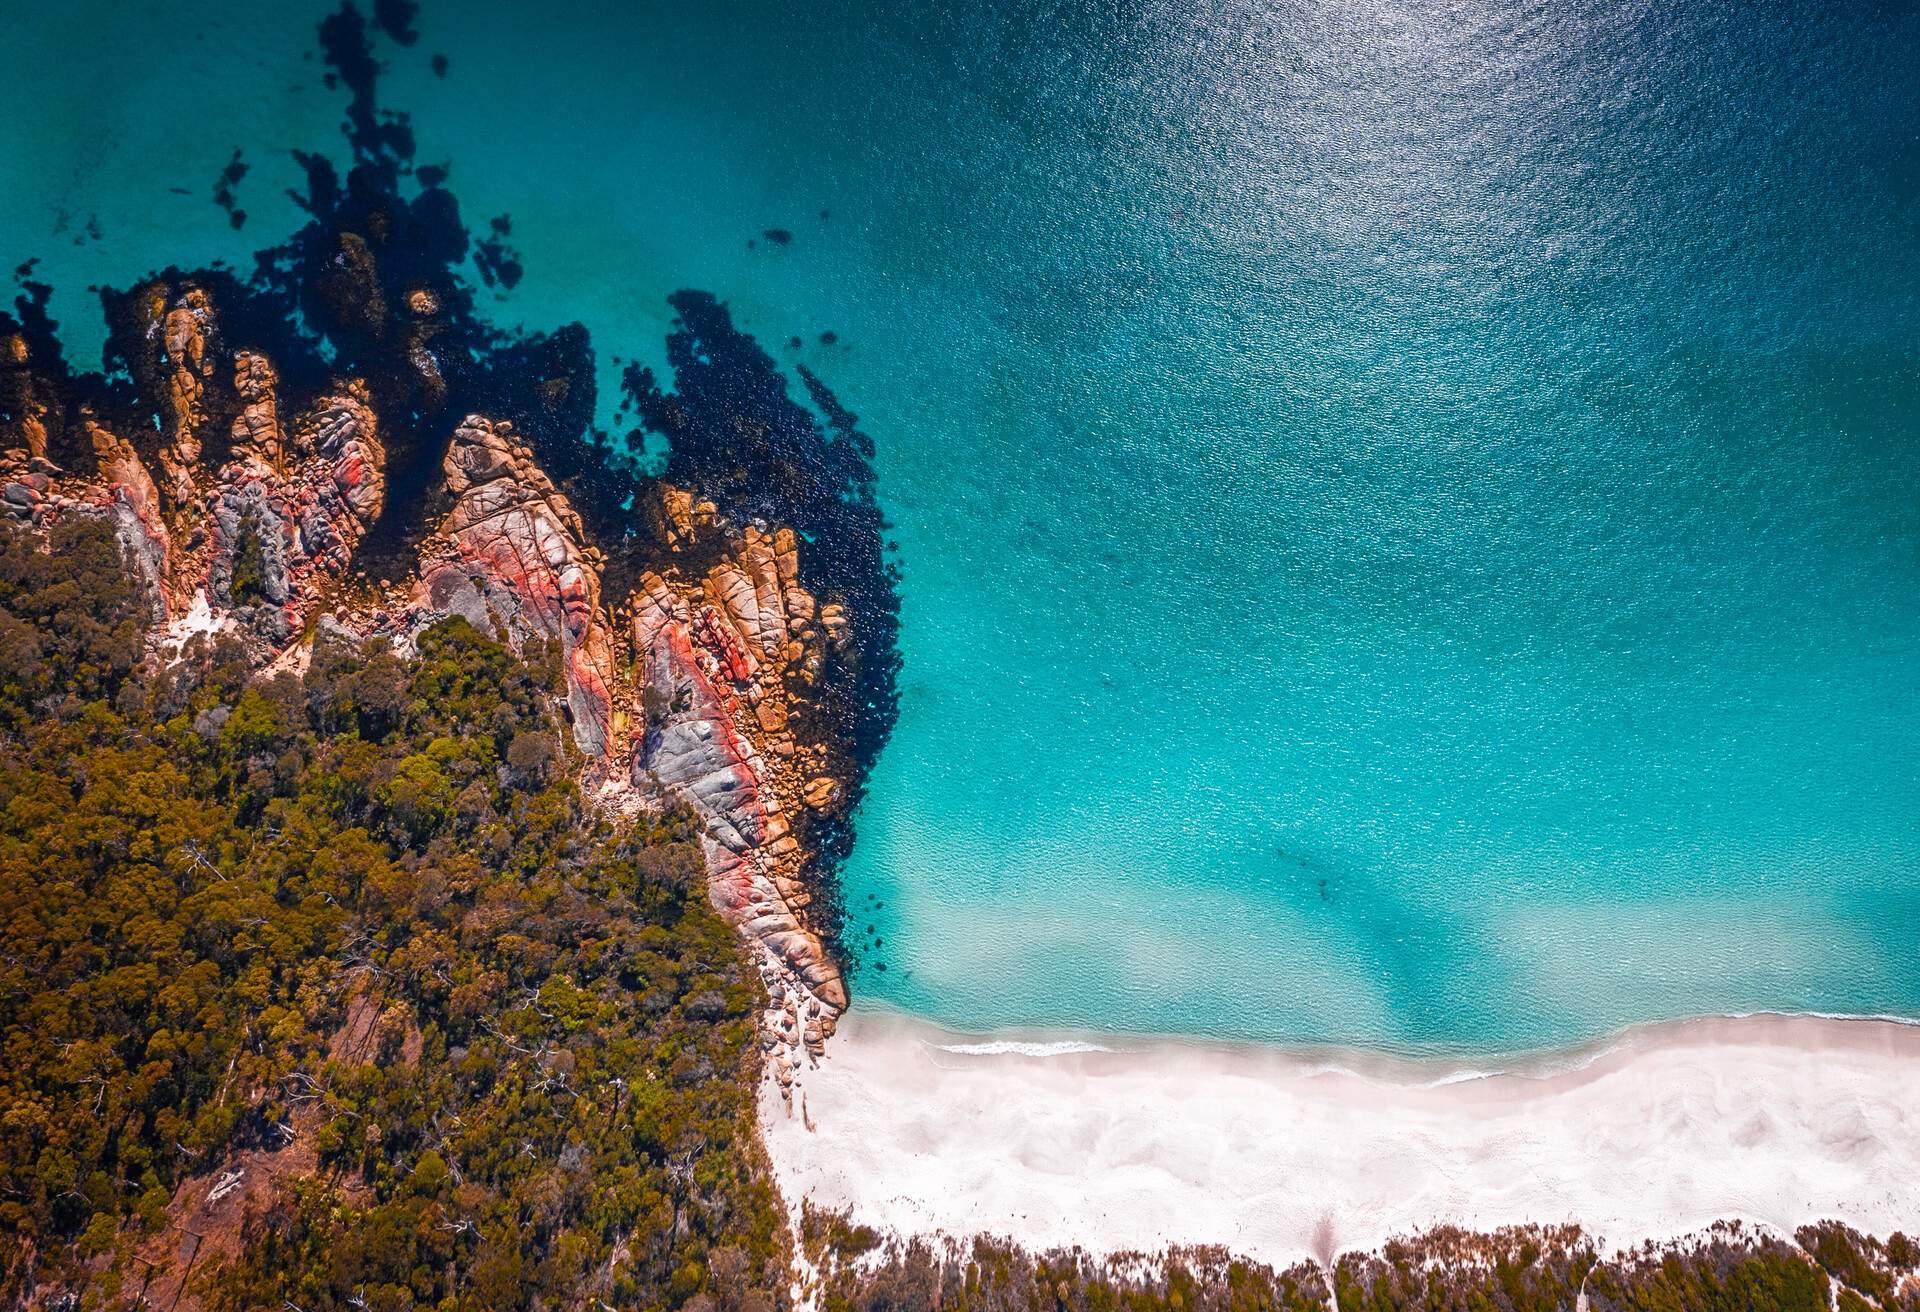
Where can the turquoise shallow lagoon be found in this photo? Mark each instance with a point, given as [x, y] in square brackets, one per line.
[1409, 513]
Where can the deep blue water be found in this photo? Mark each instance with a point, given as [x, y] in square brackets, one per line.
[1409, 512]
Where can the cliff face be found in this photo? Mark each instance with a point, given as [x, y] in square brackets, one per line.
[697, 690]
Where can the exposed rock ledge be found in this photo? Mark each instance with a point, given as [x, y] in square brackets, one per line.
[694, 690]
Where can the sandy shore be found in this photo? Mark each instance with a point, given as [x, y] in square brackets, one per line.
[1284, 1154]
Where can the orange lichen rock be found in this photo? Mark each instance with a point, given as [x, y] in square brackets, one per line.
[512, 558]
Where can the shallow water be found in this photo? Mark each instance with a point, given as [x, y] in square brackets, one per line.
[1409, 513]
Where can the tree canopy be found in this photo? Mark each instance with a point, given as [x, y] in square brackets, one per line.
[355, 937]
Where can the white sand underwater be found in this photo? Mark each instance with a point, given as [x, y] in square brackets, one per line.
[1283, 1155]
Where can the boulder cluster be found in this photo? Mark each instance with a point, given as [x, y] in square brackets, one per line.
[259, 540]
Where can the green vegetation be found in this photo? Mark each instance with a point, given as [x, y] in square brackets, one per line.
[1525, 1270]
[995, 1275]
[1882, 1272]
[860, 1271]
[248, 584]
[71, 619]
[1733, 1274]
[354, 936]
[1528, 1269]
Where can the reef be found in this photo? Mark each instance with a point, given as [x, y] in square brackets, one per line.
[339, 442]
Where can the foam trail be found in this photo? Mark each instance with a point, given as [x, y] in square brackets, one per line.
[1016, 1047]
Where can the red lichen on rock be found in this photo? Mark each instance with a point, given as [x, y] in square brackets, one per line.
[511, 557]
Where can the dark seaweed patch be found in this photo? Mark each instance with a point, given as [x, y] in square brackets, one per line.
[223, 190]
[396, 19]
[343, 41]
[498, 262]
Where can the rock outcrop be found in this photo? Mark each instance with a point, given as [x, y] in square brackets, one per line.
[283, 518]
[511, 557]
[698, 691]
[728, 657]
[256, 544]
[117, 488]
[186, 326]
[109, 480]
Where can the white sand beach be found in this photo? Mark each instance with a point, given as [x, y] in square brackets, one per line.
[1288, 1154]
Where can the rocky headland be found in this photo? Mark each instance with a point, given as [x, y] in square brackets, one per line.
[339, 445]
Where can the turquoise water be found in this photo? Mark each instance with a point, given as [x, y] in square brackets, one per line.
[1409, 513]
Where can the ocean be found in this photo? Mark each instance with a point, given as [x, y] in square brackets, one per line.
[1408, 513]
